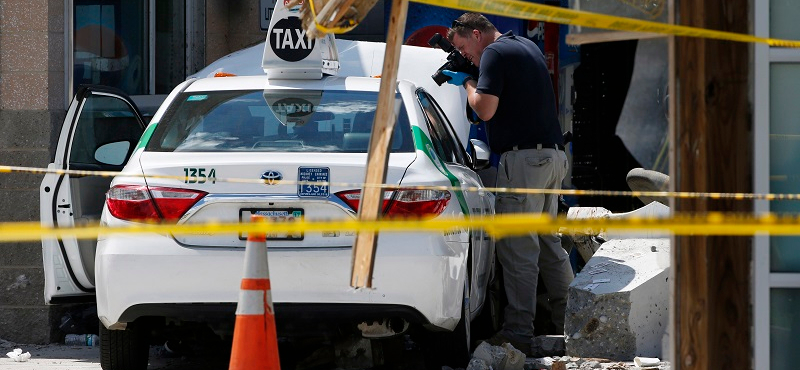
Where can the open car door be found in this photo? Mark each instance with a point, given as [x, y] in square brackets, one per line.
[100, 132]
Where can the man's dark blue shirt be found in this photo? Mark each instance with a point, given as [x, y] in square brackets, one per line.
[514, 69]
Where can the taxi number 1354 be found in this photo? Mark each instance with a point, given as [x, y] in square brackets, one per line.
[199, 175]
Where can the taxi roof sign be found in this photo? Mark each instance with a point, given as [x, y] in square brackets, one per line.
[290, 54]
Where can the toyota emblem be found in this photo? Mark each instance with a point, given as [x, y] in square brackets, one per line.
[271, 177]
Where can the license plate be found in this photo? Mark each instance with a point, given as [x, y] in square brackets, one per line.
[313, 174]
[273, 215]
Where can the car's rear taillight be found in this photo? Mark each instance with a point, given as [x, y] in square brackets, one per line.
[405, 202]
[353, 198]
[418, 203]
[129, 202]
[142, 203]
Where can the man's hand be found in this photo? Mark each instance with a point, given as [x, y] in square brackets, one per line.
[456, 78]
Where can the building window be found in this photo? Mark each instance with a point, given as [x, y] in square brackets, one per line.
[777, 152]
[110, 44]
[784, 144]
[170, 45]
[141, 47]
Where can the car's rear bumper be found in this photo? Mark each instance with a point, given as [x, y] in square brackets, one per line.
[422, 272]
[292, 319]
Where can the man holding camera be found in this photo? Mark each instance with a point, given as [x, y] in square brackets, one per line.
[514, 95]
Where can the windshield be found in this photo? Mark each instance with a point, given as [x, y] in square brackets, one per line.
[275, 121]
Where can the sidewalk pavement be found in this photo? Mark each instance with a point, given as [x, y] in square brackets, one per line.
[65, 357]
[52, 356]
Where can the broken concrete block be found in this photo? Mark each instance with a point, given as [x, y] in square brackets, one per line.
[538, 363]
[646, 361]
[586, 245]
[665, 346]
[567, 363]
[652, 210]
[515, 359]
[588, 365]
[495, 356]
[585, 213]
[617, 305]
[478, 364]
[640, 179]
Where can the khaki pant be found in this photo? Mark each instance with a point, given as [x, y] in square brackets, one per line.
[523, 257]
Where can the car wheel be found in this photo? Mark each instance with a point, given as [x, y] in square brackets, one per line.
[451, 348]
[490, 319]
[124, 349]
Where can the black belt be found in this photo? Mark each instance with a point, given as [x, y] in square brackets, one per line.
[535, 146]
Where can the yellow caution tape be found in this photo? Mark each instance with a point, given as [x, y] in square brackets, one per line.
[554, 14]
[788, 137]
[496, 190]
[498, 226]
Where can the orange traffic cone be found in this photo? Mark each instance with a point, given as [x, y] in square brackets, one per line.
[255, 340]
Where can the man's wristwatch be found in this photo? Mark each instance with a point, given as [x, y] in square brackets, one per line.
[466, 79]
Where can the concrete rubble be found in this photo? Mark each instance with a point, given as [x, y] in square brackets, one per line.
[617, 305]
[488, 357]
[504, 357]
[576, 363]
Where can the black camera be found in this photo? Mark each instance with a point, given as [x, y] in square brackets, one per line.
[455, 61]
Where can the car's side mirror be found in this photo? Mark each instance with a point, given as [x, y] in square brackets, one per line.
[113, 153]
[480, 154]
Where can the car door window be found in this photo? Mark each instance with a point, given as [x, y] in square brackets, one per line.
[459, 151]
[444, 141]
[106, 125]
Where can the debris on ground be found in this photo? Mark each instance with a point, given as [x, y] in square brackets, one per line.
[488, 357]
[505, 357]
[18, 356]
[548, 345]
[577, 363]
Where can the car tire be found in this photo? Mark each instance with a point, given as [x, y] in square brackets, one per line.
[451, 348]
[124, 349]
[490, 319]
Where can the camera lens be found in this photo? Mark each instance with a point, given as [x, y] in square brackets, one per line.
[438, 41]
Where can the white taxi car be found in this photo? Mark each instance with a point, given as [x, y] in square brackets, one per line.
[208, 131]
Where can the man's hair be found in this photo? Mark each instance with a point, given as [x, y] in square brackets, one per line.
[467, 22]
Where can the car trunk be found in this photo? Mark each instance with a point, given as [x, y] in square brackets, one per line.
[265, 184]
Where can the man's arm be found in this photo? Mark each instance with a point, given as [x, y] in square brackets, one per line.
[484, 105]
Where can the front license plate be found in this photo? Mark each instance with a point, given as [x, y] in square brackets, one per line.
[273, 215]
[313, 174]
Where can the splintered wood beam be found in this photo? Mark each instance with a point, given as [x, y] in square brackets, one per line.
[378, 155]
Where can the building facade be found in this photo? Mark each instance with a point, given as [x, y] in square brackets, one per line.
[47, 49]
[776, 161]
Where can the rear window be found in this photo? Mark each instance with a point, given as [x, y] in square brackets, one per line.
[275, 121]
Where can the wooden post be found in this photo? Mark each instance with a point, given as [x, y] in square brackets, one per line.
[382, 127]
[712, 151]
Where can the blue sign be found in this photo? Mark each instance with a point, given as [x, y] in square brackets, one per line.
[313, 174]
